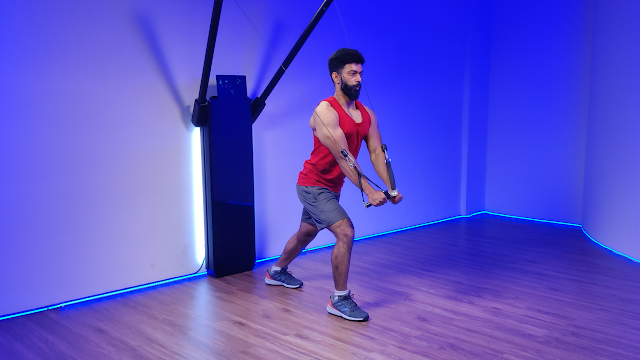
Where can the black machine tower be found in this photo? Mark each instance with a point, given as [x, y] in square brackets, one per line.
[227, 156]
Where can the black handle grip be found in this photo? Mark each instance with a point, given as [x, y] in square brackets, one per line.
[386, 194]
[392, 179]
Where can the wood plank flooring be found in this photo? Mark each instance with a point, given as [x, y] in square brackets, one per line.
[486, 287]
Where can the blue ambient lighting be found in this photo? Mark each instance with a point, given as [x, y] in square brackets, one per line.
[530, 219]
[563, 223]
[94, 297]
[314, 248]
[198, 211]
[467, 216]
[608, 248]
[238, 203]
[270, 258]
[420, 225]
[379, 234]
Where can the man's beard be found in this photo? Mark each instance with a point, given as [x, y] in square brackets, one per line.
[350, 91]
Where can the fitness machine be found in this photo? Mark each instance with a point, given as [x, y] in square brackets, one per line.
[227, 156]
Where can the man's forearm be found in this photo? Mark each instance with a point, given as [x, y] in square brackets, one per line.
[352, 175]
[378, 161]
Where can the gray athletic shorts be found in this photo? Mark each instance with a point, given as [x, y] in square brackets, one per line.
[321, 206]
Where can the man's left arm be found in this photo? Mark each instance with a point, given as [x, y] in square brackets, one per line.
[374, 144]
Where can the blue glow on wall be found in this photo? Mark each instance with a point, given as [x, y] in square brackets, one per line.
[100, 296]
[564, 223]
[440, 26]
[467, 216]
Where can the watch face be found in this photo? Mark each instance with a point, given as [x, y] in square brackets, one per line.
[393, 192]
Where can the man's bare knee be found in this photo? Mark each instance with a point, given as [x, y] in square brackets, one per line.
[342, 229]
[307, 232]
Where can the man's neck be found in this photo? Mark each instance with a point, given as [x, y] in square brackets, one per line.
[344, 101]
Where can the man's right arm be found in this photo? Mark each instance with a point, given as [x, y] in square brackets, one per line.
[326, 126]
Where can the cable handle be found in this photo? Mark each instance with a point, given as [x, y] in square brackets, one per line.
[385, 192]
[392, 180]
[352, 163]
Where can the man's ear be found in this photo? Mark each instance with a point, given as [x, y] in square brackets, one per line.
[335, 77]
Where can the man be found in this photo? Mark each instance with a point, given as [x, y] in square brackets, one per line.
[339, 122]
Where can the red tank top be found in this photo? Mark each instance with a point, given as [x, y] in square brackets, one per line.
[322, 169]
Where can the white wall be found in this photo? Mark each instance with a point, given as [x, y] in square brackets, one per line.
[612, 173]
[95, 139]
[475, 101]
[538, 99]
[564, 114]
[414, 73]
[95, 151]
[483, 104]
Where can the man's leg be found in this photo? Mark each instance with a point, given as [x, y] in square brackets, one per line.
[341, 303]
[341, 255]
[296, 243]
[278, 274]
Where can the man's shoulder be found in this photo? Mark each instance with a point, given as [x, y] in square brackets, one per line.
[368, 109]
[325, 104]
[326, 108]
[372, 116]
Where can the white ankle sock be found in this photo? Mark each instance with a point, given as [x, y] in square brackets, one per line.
[340, 293]
[275, 268]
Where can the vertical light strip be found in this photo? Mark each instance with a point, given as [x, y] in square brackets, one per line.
[198, 196]
[466, 94]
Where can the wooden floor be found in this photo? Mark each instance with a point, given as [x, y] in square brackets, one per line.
[479, 288]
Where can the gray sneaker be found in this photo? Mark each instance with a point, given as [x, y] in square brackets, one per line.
[345, 307]
[282, 277]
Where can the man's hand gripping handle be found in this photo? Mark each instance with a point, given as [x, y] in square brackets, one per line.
[392, 180]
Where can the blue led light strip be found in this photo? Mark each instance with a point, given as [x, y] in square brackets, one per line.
[382, 233]
[467, 216]
[563, 223]
[94, 297]
[531, 219]
[608, 248]
[314, 248]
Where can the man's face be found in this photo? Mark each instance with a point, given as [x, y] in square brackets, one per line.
[350, 78]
